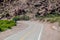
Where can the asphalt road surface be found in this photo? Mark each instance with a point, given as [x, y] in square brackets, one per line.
[33, 32]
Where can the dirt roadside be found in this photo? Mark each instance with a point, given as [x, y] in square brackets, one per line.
[20, 26]
[51, 32]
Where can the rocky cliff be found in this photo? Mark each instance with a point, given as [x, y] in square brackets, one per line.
[20, 7]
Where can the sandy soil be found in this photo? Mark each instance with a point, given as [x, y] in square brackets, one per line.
[51, 32]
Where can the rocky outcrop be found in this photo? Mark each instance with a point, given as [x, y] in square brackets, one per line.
[41, 7]
[46, 6]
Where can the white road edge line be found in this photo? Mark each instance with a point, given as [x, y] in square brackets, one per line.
[39, 38]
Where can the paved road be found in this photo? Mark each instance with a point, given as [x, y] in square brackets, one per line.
[33, 32]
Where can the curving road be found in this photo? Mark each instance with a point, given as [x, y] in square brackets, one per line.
[33, 32]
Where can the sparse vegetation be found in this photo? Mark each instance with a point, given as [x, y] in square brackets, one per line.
[22, 17]
[16, 18]
[54, 17]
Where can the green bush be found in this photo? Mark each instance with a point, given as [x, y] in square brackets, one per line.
[23, 17]
[5, 24]
[16, 18]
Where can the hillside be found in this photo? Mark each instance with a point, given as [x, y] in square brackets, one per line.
[19, 7]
